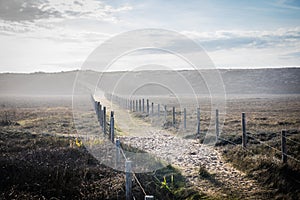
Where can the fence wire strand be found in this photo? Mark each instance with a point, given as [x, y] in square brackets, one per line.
[123, 154]
[292, 140]
[138, 182]
[264, 143]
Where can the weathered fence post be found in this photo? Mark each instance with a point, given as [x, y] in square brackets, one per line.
[140, 105]
[118, 145]
[104, 120]
[97, 103]
[136, 106]
[244, 136]
[217, 125]
[283, 146]
[174, 120]
[100, 115]
[198, 121]
[184, 118]
[148, 106]
[128, 180]
[158, 110]
[112, 127]
[152, 108]
[143, 105]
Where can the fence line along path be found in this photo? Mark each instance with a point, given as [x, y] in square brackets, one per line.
[188, 155]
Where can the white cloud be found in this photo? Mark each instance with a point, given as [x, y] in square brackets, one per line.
[53, 33]
[89, 9]
[56, 28]
[31, 10]
[229, 39]
[42, 23]
[238, 48]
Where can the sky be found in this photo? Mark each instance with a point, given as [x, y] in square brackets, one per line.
[59, 35]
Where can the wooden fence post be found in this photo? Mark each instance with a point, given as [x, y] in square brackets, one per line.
[136, 106]
[158, 110]
[217, 125]
[97, 108]
[143, 105]
[100, 115]
[174, 120]
[244, 136]
[184, 118]
[112, 127]
[283, 146]
[198, 121]
[152, 108]
[140, 105]
[104, 120]
[128, 180]
[148, 107]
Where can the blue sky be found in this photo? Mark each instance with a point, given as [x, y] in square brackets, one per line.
[58, 35]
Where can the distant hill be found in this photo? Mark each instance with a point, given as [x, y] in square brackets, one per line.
[37, 83]
[236, 81]
[262, 81]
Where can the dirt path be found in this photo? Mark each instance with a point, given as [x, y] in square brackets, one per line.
[189, 155]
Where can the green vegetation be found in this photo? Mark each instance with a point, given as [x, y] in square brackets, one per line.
[170, 184]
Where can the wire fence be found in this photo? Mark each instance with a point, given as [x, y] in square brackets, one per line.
[264, 120]
[130, 175]
[262, 127]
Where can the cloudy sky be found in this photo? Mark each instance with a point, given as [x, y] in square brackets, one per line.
[58, 35]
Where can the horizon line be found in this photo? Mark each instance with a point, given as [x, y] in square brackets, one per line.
[114, 71]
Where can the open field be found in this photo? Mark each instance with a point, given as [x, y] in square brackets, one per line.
[40, 159]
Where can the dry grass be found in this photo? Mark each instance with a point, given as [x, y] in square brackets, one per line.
[266, 117]
[40, 161]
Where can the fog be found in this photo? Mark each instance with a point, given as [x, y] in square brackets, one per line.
[170, 83]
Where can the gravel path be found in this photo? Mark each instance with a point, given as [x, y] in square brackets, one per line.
[223, 180]
[189, 155]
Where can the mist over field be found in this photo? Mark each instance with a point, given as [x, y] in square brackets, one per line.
[236, 81]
